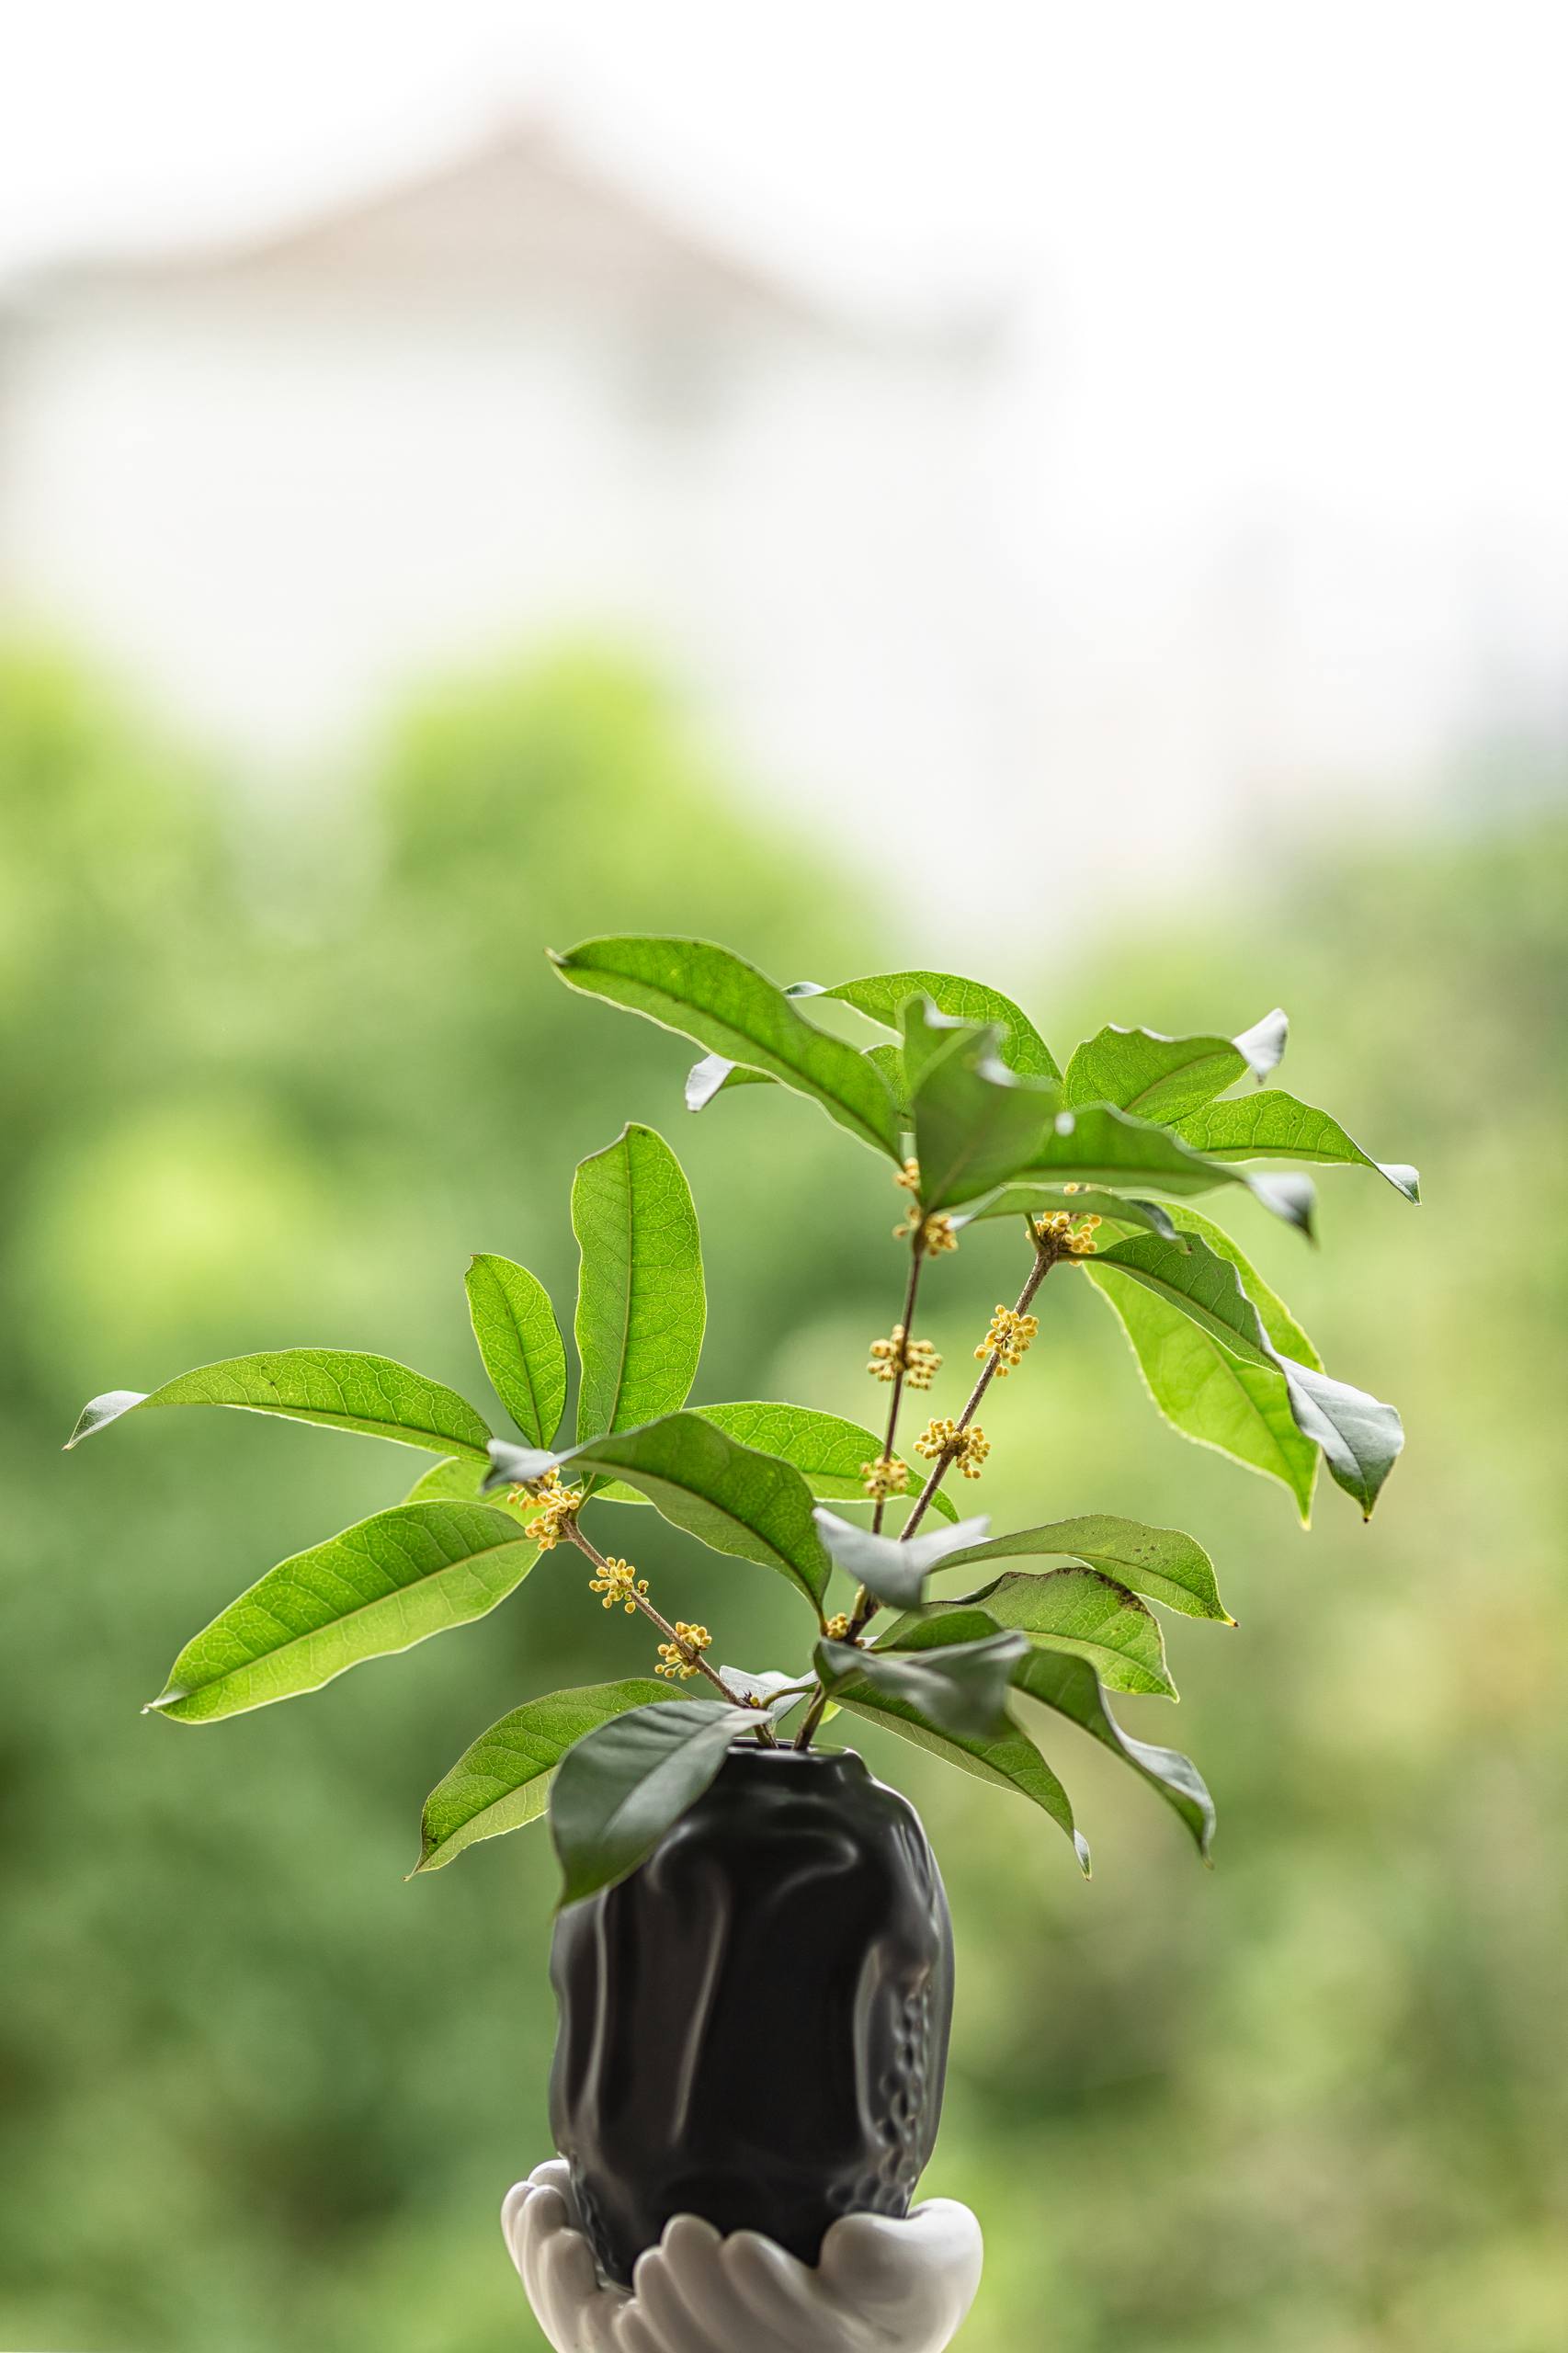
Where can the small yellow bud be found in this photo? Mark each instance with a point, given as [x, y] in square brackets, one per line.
[884, 1477]
[681, 1656]
[557, 1510]
[837, 1628]
[619, 1581]
[1008, 1339]
[967, 1447]
[916, 1359]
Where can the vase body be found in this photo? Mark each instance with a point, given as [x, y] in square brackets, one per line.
[754, 2025]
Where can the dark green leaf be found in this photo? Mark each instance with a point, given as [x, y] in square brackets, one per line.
[379, 1587]
[1011, 1763]
[1194, 1281]
[520, 1344]
[894, 1570]
[829, 1452]
[975, 1122]
[725, 1494]
[641, 1302]
[502, 1781]
[340, 1388]
[1204, 1388]
[1084, 1200]
[1069, 1686]
[730, 1009]
[883, 995]
[1361, 1438]
[960, 1687]
[1099, 1145]
[1274, 1125]
[1072, 1609]
[1161, 1562]
[617, 1791]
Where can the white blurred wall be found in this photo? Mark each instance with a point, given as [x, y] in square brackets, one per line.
[1252, 519]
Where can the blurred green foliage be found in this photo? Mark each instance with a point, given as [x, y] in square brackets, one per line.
[268, 1074]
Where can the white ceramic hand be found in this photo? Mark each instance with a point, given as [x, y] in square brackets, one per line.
[879, 2287]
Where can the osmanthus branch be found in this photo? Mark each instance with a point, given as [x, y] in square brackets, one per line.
[656, 1617]
[901, 1362]
[1047, 1253]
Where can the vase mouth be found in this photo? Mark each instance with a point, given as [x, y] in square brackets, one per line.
[784, 1758]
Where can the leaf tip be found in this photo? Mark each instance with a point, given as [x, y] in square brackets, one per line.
[1081, 1848]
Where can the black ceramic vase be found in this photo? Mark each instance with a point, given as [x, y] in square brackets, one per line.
[754, 2025]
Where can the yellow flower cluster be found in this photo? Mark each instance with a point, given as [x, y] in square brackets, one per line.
[909, 1177]
[679, 1657]
[1009, 1339]
[619, 1581]
[557, 1512]
[917, 1359]
[837, 1629]
[935, 1233]
[968, 1448]
[884, 1477]
[1072, 1241]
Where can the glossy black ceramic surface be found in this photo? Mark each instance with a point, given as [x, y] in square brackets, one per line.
[754, 2025]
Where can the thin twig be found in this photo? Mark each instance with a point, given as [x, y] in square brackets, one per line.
[694, 1657]
[901, 1361]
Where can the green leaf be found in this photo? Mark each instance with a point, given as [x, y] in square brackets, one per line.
[894, 1570]
[519, 1342]
[1274, 1125]
[975, 1122]
[461, 1480]
[730, 1009]
[1157, 1077]
[726, 1494]
[1069, 1686]
[1098, 1144]
[617, 1791]
[960, 1687]
[712, 1075]
[641, 1302]
[1197, 1281]
[778, 1693]
[1074, 1609]
[883, 995]
[1162, 1078]
[502, 1781]
[1202, 1388]
[1011, 1763]
[1084, 1200]
[889, 1060]
[1161, 1562]
[340, 1388]
[828, 1451]
[1360, 1437]
[381, 1586]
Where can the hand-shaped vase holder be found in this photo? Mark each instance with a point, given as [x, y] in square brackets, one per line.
[880, 2286]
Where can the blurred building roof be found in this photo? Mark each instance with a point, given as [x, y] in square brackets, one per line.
[523, 212]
